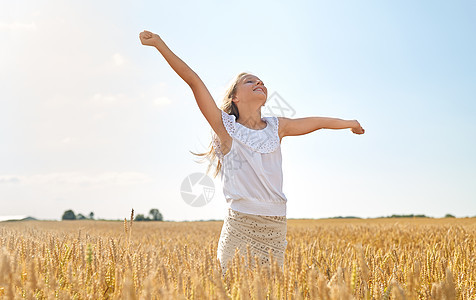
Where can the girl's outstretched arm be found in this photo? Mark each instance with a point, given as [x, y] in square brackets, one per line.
[205, 101]
[306, 125]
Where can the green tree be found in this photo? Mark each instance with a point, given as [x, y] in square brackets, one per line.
[80, 217]
[141, 217]
[156, 215]
[69, 215]
[91, 215]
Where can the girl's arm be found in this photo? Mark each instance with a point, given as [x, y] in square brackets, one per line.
[205, 101]
[306, 125]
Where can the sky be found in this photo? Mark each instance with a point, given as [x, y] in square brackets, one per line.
[91, 120]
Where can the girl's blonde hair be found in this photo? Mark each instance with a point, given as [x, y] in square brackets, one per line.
[230, 108]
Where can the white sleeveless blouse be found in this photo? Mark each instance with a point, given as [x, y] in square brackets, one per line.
[251, 171]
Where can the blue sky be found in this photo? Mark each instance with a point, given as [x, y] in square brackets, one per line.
[91, 120]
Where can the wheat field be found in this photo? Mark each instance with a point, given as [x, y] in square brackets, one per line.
[325, 259]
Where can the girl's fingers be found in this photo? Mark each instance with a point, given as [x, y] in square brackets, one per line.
[146, 34]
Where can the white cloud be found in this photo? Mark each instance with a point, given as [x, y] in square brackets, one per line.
[118, 59]
[162, 101]
[108, 99]
[78, 179]
[68, 140]
[100, 98]
[9, 179]
[18, 26]
[99, 116]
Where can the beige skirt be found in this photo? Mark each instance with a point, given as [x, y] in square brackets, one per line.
[264, 234]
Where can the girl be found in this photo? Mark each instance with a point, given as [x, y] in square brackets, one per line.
[248, 148]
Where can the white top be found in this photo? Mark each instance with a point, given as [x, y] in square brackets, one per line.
[251, 171]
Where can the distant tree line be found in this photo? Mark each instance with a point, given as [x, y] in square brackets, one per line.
[70, 215]
[408, 216]
[154, 215]
[417, 216]
[393, 216]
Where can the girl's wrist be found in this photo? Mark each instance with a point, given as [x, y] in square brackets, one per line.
[354, 124]
[158, 41]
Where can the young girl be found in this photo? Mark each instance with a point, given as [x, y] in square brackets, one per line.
[248, 148]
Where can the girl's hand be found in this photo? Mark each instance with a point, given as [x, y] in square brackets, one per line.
[148, 38]
[357, 129]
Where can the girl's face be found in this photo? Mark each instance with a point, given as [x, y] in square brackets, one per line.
[251, 88]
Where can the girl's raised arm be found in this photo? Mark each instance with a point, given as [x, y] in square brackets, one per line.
[205, 101]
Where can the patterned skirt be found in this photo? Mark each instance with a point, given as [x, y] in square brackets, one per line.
[264, 234]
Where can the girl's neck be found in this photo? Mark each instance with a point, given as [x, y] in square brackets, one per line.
[251, 119]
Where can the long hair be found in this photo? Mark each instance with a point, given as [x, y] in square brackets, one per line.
[230, 108]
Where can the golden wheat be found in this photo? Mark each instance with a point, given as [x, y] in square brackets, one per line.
[325, 259]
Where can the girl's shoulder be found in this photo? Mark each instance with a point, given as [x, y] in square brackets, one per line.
[229, 121]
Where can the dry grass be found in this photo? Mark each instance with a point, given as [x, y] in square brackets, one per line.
[325, 259]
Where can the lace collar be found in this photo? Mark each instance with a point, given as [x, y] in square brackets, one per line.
[264, 140]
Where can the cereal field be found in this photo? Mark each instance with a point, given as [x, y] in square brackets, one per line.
[325, 259]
